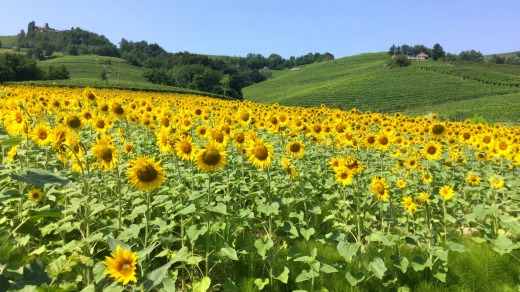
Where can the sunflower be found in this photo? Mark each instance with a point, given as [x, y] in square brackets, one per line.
[163, 141]
[343, 176]
[432, 150]
[202, 131]
[121, 265]
[401, 183]
[424, 197]
[260, 153]
[383, 141]
[73, 122]
[409, 205]
[239, 138]
[353, 165]
[336, 163]
[145, 174]
[412, 162]
[42, 135]
[473, 179]
[12, 154]
[211, 157]
[128, 147]
[446, 192]
[370, 140]
[106, 152]
[496, 181]
[295, 148]
[438, 130]
[289, 168]
[185, 148]
[380, 188]
[117, 110]
[35, 195]
[89, 95]
[427, 177]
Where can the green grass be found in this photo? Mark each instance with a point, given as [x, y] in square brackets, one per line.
[364, 82]
[8, 41]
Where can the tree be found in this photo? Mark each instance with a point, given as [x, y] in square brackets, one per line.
[392, 50]
[438, 52]
[399, 60]
[472, 56]
[17, 67]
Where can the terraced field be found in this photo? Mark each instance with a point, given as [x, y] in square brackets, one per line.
[365, 83]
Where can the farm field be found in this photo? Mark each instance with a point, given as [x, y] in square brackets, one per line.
[364, 82]
[114, 190]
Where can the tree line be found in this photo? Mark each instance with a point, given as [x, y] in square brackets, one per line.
[221, 74]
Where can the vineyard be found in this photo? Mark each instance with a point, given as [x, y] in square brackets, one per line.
[114, 190]
[365, 83]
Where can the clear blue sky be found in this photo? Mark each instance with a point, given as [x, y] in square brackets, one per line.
[286, 27]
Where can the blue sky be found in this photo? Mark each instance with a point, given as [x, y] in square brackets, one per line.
[285, 27]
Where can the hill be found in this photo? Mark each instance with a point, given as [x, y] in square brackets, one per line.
[364, 82]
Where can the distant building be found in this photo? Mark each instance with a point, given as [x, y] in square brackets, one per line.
[45, 28]
[419, 57]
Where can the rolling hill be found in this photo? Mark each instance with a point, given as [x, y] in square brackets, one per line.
[454, 90]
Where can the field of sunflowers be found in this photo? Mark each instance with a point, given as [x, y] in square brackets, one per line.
[111, 190]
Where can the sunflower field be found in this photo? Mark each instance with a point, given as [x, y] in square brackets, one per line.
[112, 190]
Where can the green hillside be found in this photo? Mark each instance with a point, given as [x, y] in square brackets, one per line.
[365, 83]
[8, 41]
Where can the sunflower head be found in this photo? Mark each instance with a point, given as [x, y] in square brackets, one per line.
[260, 153]
[295, 148]
[35, 195]
[121, 265]
[380, 188]
[211, 157]
[145, 174]
[446, 192]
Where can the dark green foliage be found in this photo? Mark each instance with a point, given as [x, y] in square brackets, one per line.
[17, 67]
[56, 73]
[438, 52]
[400, 60]
[471, 55]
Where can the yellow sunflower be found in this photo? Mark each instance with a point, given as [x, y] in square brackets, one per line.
[380, 188]
[473, 179]
[343, 176]
[438, 130]
[409, 204]
[432, 150]
[42, 135]
[73, 122]
[295, 148]
[185, 148]
[106, 152]
[496, 181]
[145, 174]
[211, 157]
[12, 153]
[424, 197]
[121, 265]
[260, 153]
[35, 195]
[446, 192]
[289, 168]
[353, 165]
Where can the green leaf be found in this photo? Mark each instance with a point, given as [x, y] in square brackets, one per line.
[504, 245]
[328, 269]
[453, 246]
[229, 252]
[288, 226]
[194, 231]
[43, 178]
[347, 250]
[219, 208]
[11, 141]
[156, 276]
[130, 232]
[306, 233]
[268, 210]
[202, 285]
[401, 264]
[113, 243]
[419, 264]
[379, 236]
[260, 284]
[281, 274]
[59, 265]
[229, 286]
[187, 210]
[378, 267]
[440, 273]
[355, 278]
[304, 276]
[263, 245]
[512, 223]
[181, 255]
[142, 254]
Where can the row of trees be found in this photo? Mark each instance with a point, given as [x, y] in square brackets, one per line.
[17, 67]
[509, 59]
[437, 52]
[221, 75]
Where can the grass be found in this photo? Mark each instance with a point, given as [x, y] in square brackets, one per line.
[365, 83]
[8, 41]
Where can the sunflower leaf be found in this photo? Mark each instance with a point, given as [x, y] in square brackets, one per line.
[43, 178]
[11, 141]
